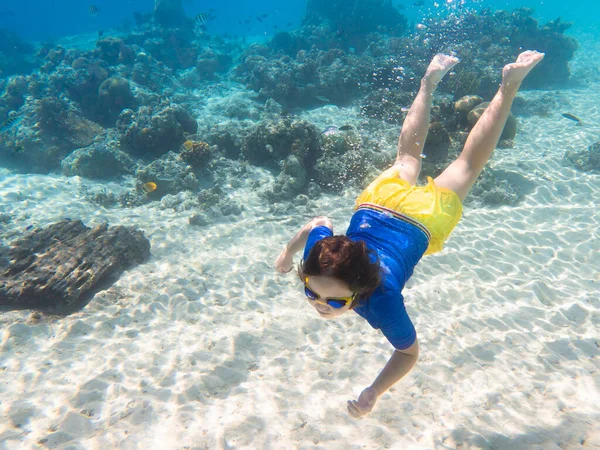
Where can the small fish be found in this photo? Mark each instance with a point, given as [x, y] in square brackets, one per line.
[10, 121]
[289, 24]
[346, 128]
[94, 10]
[322, 98]
[149, 187]
[188, 145]
[575, 119]
[259, 19]
[202, 18]
[28, 227]
[418, 4]
[423, 155]
[100, 33]
[331, 130]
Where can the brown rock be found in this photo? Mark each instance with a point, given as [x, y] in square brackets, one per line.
[467, 103]
[58, 269]
[510, 129]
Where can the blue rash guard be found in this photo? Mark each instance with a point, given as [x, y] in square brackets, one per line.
[400, 246]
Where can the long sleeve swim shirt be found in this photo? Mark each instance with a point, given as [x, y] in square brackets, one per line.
[399, 245]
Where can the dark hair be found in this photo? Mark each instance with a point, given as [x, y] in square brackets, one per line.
[345, 260]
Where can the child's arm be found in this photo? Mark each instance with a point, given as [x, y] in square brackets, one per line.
[285, 261]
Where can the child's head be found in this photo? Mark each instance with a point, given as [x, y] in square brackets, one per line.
[337, 268]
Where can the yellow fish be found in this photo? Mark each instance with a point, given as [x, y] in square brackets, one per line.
[188, 145]
[148, 187]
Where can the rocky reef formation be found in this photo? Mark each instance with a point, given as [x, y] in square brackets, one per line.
[353, 19]
[315, 62]
[126, 106]
[585, 160]
[58, 269]
[153, 131]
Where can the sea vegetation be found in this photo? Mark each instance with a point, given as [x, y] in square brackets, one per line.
[126, 106]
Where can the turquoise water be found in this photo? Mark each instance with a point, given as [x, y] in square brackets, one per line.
[51, 19]
[216, 139]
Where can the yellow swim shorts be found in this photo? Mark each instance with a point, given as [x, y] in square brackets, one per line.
[435, 209]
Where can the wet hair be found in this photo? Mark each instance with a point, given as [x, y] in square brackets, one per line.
[345, 260]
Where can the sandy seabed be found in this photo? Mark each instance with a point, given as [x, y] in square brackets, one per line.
[205, 346]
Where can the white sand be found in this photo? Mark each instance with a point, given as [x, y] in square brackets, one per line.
[205, 346]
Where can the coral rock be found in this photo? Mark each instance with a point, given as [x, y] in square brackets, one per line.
[510, 129]
[114, 95]
[465, 104]
[153, 133]
[58, 269]
[198, 155]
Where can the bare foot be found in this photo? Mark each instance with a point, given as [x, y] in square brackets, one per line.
[513, 74]
[439, 66]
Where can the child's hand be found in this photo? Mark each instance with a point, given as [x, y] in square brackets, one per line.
[284, 262]
[364, 404]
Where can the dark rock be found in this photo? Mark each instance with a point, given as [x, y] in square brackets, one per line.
[114, 95]
[586, 160]
[272, 142]
[199, 220]
[101, 160]
[58, 269]
[290, 182]
[499, 187]
[437, 142]
[113, 51]
[197, 153]
[154, 132]
[171, 175]
[209, 63]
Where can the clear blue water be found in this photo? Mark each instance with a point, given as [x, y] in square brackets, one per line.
[51, 19]
[507, 316]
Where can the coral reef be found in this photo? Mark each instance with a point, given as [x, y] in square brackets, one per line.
[48, 130]
[311, 79]
[197, 154]
[272, 142]
[498, 187]
[101, 160]
[213, 205]
[105, 111]
[354, 19]
[171, 175]
[315, 63]
[585, 160]
[114, 95]
[114, 51]
[154, 131]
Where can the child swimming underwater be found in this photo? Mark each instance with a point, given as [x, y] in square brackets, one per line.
[395, 224]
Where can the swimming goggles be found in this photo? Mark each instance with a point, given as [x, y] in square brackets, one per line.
[334, 302]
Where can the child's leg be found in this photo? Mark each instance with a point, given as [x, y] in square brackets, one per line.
[462, 173]
[416, 125]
